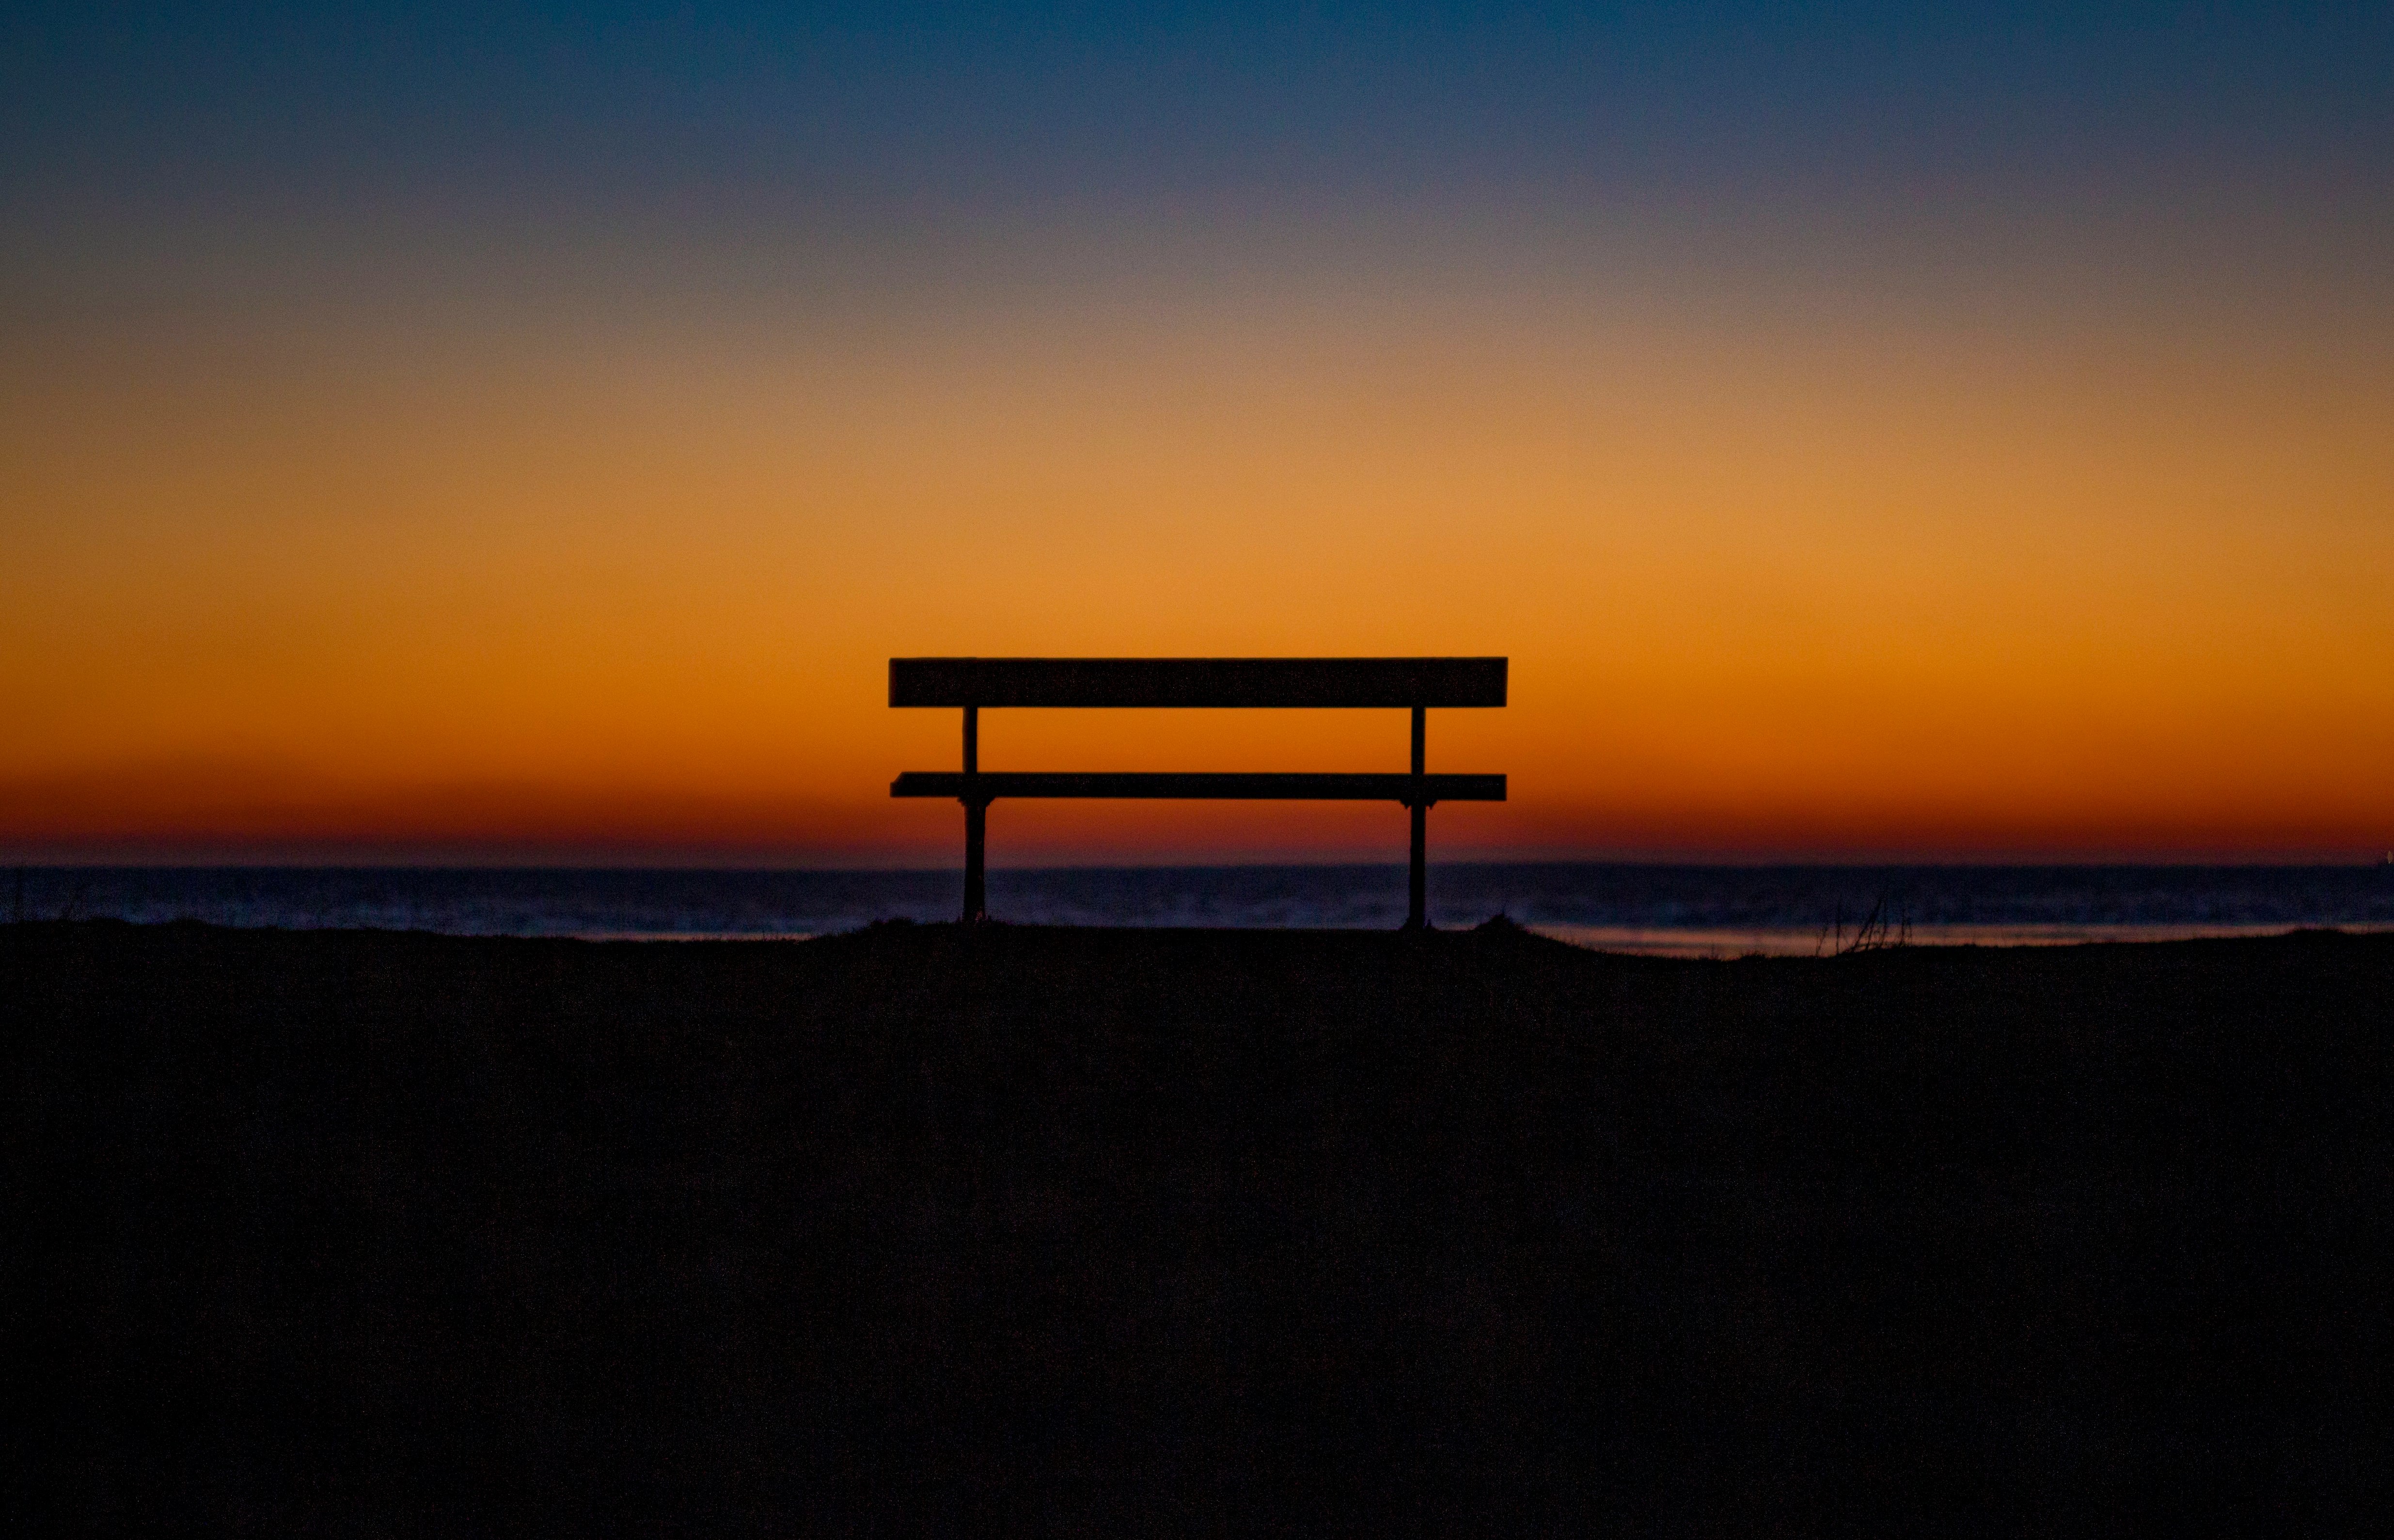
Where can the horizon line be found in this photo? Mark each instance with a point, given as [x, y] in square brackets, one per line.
[1731, 864]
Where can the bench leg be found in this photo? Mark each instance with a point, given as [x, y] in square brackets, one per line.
[1416, 917]
[976, 843]
[1416, 908]
[975, 824]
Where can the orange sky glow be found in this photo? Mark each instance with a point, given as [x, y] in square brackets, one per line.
[599, 565]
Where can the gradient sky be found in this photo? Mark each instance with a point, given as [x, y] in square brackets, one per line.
[504, 433]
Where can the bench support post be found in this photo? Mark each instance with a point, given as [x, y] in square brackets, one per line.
[976, 838]
[1417, 889]
[975, 824]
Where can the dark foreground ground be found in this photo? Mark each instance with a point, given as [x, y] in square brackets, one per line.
[1147, 1232]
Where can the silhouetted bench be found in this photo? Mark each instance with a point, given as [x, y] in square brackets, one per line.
[1415, 684]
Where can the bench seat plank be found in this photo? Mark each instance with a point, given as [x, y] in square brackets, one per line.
[1229, 682]
[1221, 786]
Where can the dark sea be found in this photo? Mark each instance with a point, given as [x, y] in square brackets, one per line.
[1686, 911]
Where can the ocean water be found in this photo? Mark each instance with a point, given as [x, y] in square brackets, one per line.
[1690, 911]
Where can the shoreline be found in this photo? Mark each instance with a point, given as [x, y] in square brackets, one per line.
[1713, 943]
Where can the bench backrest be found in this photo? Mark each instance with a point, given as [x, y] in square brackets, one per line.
[1197, 681]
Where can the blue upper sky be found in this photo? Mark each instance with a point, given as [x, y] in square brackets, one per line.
[321, 103]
